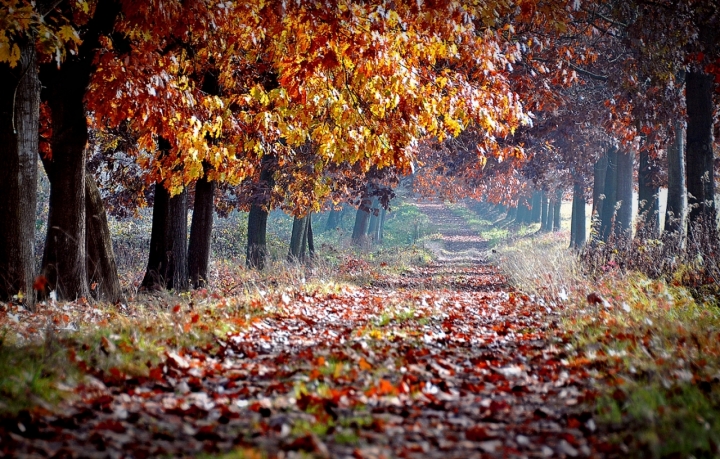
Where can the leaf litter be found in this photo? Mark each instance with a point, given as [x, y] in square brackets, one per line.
[441, 361]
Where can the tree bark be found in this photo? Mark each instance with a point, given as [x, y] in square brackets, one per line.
[623, 221]
[101, 266]
[610, 191]
[256, 250]
[676, 198]
[578, 232]
[167, 260]
[544, 203]
[648, 198]
[550, 215]
[381, 229]
[201, 233]
[536, 212]
[556, 211]
[374, 219]
[64, 259]
[310, 237]
[599, 171]
[333, 220]
[362, 218]
[699, 89]
[298, 239]
[19, 124]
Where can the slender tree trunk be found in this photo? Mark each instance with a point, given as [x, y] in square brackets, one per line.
[256, 251]
[648, 198]
[333, 221]
[545, 205]
[298, 239]
[201, 233]
[550, 215]
[101, 267]
[610, 191]
[579, 231]
[623, 222]
[511, 213]
[19, 123]
[676, 198]
[310, 237]
[381, 229]
[599, 171]
[699, 89]
[374, 219]
[536, 213]
[556, 211]
[167, 260]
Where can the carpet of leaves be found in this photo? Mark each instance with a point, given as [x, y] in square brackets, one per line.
[442, 361]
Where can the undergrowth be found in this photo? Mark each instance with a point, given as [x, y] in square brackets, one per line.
[651, 345]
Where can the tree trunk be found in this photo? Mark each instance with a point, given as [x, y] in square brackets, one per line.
[544, 210]
[298, 239]
[362, 218]
[536, 212]
[374, 219]
[256, 250]
[578, 231]
[19, 123]
[648, 198]
[381, 229]
[101, 266]
[64, 259]
[556, 211]
[610, 191]
[333, 220]
[201, 233]
[699, 89]
[310, 237]
[623, 221]
[676, 198]
[550, 215]
[599, 171]
[167, 260]
[511, 213]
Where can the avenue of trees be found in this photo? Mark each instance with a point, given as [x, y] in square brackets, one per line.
[305, 105]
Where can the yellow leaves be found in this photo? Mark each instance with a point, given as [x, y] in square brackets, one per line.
[9, 53]
[257, 93]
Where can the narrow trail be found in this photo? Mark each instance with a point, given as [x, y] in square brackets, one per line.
[441, 362]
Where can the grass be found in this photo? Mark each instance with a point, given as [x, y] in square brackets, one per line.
[652, 347]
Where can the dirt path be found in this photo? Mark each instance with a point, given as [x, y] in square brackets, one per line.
[441, 362]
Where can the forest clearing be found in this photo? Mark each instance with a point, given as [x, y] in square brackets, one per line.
[377, 229]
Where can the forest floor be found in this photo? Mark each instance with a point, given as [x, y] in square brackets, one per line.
[441, 361]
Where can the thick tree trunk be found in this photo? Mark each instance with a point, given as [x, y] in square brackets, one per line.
[362, 218]
[19, 123]
[545, 205]
[64, 259]
[536, 212]
[201, 233]
[599, 171]
[648, 198]
[607, 219]
[256, 250]
[699, 89]
[298, 239]
[578, 231]
[167, 260]
[556, 210]
[676, 198]
[101, 266]
[623, 221]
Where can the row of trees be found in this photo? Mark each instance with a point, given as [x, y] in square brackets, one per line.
[297, 105]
